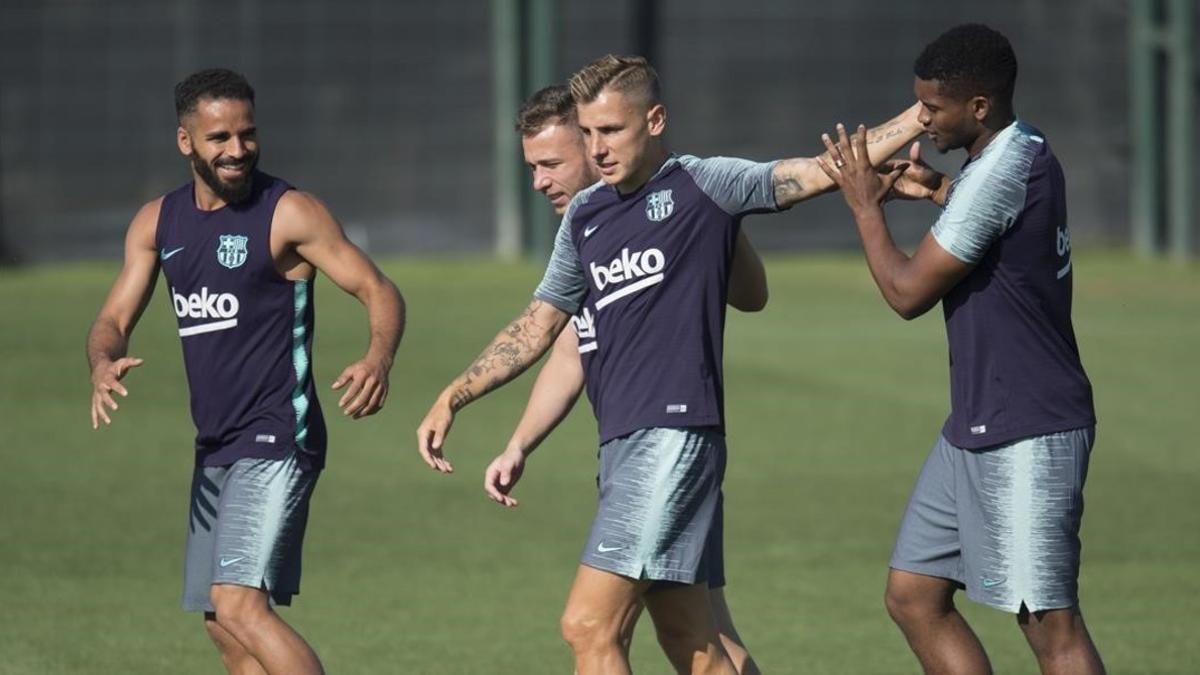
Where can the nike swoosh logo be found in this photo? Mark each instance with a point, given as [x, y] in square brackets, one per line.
[167, 254]
[608, 549]
[992, 583]
[587, 231]
[227, 563]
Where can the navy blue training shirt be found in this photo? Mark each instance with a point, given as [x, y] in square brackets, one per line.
[246, 330]
[1015, 369]
[648, 274]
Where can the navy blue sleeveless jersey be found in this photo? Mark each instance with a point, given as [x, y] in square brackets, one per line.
[1015, 369]
[246, 330]
[647, 273]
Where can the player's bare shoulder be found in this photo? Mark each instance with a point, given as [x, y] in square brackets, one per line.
[144, 226]
[298, 213]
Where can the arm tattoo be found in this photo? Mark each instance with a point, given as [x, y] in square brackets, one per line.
[787, 186]
[512, 351]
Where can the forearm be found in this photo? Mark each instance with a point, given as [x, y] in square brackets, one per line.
[508, 355]
[799, 179]
[889, 265]
[105, 342]
[386, 317]
[549, 403]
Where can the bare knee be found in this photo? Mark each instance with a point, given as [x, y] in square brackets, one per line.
[1054, 632]
[585, 632]
[914, 602]
[239, 609]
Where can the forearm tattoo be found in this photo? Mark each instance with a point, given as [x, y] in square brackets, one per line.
[508, 355]
[787, 186]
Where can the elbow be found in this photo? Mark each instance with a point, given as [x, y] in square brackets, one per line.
[909, 309]
[757, 304]
[747, 302]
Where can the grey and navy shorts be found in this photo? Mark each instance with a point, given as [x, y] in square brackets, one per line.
[1002, 522]
[246, 527]
[660, 501]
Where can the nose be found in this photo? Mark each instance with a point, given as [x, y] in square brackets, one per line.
[923, 117]
[595, 148]
[541, 181]
[236, 148]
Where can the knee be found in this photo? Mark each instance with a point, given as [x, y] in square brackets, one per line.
[907, 605]
[1052, 633]
[238, 609]
[680, 639]
[587, 633]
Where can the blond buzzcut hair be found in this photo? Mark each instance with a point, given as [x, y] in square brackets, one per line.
[632, 76]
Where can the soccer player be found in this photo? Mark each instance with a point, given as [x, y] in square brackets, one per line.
[240, 250]
[997, 507]
[648, 251]
[555, 153]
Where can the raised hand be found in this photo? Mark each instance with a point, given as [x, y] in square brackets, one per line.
[502, 475]
[919, 180]
[106, 379]
[368, 380]
[861, 185]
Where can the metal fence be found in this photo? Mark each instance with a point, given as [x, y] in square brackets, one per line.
[384, 109]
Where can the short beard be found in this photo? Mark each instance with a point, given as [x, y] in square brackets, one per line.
[230, 193]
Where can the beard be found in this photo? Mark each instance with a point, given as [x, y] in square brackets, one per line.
[230, 193]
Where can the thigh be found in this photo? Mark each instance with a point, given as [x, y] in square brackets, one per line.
[659, 490]
[1021, 509]
[928, 542]
[207, 484]
[263, 515]
[604, 599]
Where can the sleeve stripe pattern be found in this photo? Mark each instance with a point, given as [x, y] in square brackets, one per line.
[564, 284]
[988, 196]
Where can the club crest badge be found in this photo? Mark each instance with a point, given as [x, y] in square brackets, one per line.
[659, 205]
[232, 251]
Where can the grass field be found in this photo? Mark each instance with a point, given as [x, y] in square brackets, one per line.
[832, 405]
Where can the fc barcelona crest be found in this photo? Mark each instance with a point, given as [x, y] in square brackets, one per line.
[659, 205]
[232, 251]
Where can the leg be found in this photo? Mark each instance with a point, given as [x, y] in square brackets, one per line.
[1061, 642]
[628, 627]
[923, 608]
[237, 660]
[730, 640]
[245, 614]
[600, 605]
[687, 630]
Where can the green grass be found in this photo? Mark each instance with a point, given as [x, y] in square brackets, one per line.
[832, 405]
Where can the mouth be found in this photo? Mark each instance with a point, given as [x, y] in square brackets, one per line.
[607, 168]
[233, 171]
[558, 198]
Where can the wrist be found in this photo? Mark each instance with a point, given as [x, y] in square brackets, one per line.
[943, 190]
[867, 211]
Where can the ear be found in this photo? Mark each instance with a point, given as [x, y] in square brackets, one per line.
[980, 107]
[184, 141]
[656, 119]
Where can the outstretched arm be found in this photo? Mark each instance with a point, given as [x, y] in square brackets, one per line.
[796, 180]
[318, 238]
[554, 394]
[513, 350]
[108, 340]
[911, 285]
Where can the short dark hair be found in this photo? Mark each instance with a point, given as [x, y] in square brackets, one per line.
[212, 83]
[549, 105]
[971, 60]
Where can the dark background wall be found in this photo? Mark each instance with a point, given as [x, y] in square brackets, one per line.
[383, 109]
